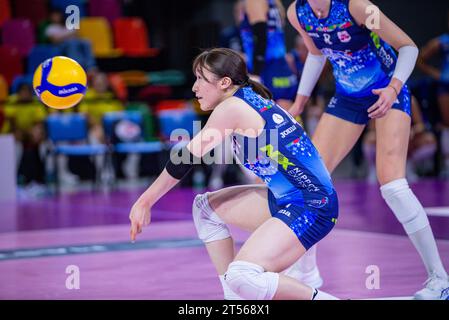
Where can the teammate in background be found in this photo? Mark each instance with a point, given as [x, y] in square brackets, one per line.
[230, 36]
[370, 84]
[262, 33]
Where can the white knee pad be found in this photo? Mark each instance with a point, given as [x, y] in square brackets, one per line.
[404, 204]
[208, 224]
[250, 282]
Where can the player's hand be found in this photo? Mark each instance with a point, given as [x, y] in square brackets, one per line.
[139, 216]
[298, 105]
[387, 97]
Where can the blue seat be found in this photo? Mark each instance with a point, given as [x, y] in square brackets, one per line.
[124, 145]
[178, 122]
[138, 145]
[68, 133]
[39, 54]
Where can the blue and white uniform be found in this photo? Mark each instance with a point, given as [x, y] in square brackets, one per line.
[361, 60]
[301, 192]
[276, 75]
[444, 50]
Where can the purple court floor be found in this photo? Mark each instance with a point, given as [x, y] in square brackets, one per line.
[40, 239]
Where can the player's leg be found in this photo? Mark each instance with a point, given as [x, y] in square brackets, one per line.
[275, 245]
[392, 135]
[243, 206]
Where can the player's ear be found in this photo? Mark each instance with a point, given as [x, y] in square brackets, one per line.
[225, 83]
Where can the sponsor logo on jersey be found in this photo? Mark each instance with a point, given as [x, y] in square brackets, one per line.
[313, 35]
[344, 36]
[277, 118]
[277, 156]
[387, 59]
[285, 212]
[317, 203]
[287, 131]
[302, 180]
[327, 28]
[354, 69]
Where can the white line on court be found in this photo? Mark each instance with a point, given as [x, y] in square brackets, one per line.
[437, 211]
[389, 298]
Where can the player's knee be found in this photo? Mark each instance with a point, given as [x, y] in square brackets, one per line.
[208, 224]
[249, 281]
[404, 204]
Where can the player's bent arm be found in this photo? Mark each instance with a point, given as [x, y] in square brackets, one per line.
[387, 30]
[164, 183]
[140, 214]
[221, 123]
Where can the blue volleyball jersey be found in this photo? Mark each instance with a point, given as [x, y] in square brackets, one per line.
[444, 48]
[275, 36]
[361, 60]
[283, 156]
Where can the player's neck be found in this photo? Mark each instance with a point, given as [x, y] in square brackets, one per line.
[230, 92]
[320, 7]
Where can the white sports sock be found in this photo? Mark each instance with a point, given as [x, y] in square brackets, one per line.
[424, 242]
[228, 293]
[321, 295]
[410, 212]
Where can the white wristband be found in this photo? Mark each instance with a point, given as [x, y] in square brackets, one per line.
[311, 73]
[406, 63]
